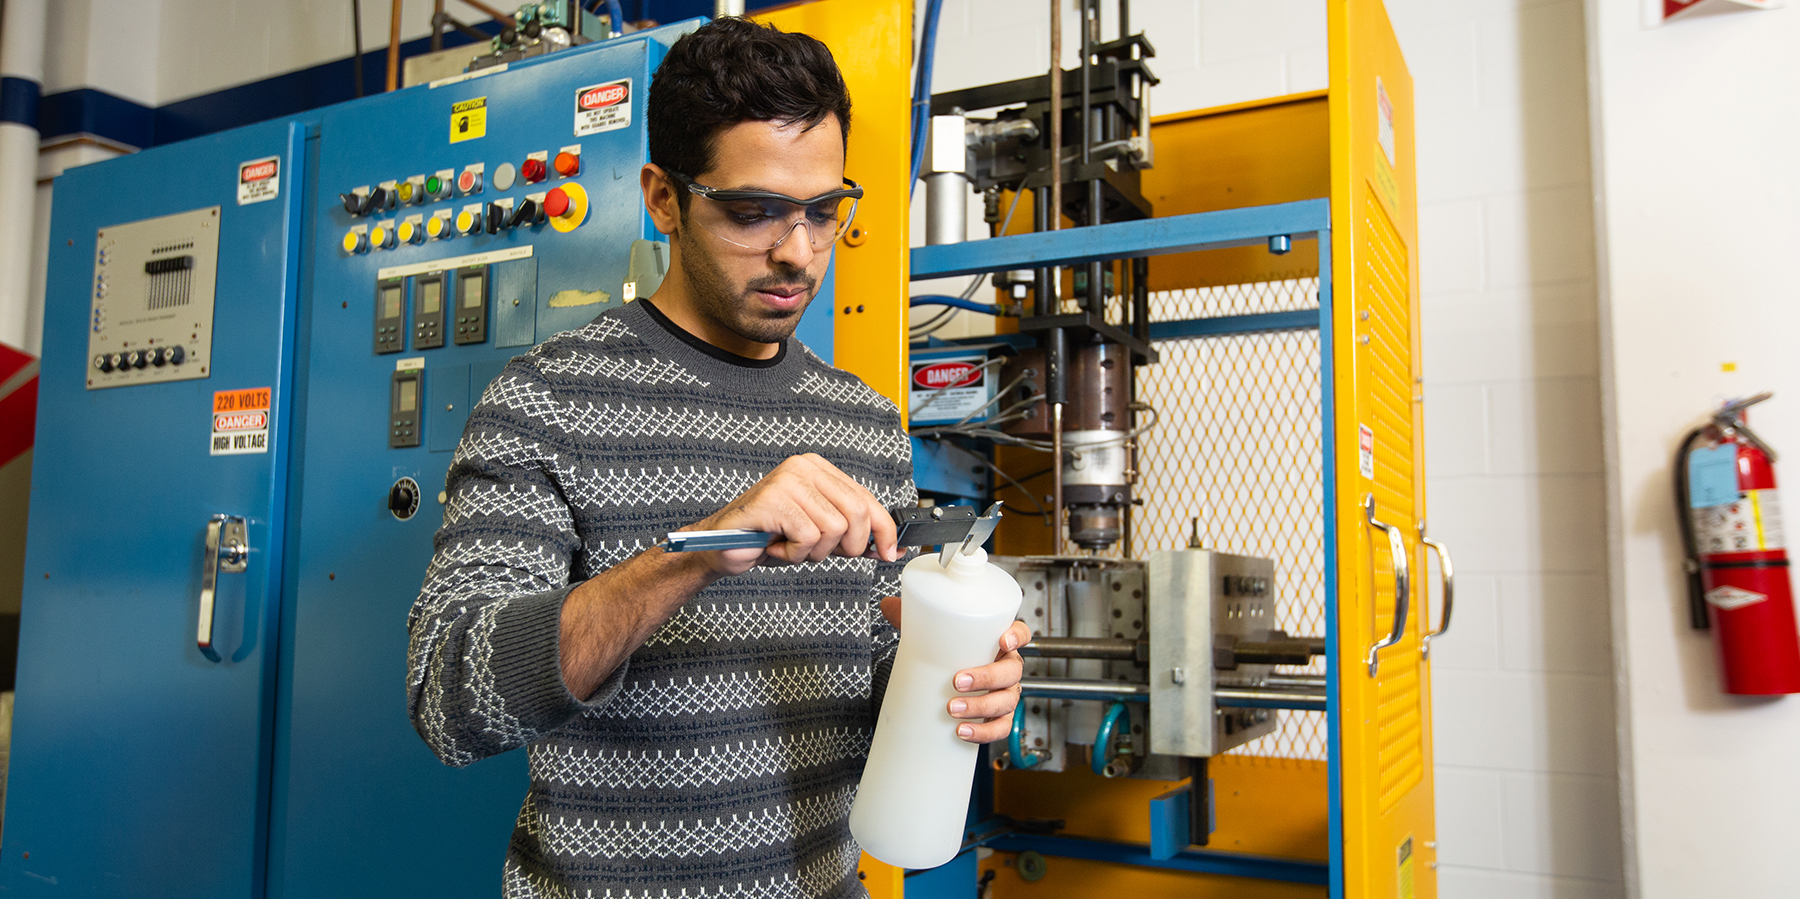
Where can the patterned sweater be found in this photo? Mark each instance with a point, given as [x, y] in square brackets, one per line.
[720, 760]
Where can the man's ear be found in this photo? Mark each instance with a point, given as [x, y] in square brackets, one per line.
[659, 198]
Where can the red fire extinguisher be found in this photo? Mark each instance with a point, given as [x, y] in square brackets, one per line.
[1737, 563]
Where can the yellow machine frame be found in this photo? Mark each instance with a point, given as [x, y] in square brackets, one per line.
[1352, 143]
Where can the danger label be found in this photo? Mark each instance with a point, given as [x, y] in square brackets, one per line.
[259, 180]
[602, 107]
[240, 421]
[1365, 451]
[947, 389]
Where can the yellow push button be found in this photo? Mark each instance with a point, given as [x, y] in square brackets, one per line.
[468, 221]
[411, 232]
[382, 236]
[356, 241]
[438, 228]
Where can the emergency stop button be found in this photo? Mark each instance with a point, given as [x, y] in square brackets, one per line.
[567, 207]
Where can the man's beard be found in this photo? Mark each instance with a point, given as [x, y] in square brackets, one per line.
[714, 297]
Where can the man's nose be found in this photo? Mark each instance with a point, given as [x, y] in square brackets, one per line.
[795, 250]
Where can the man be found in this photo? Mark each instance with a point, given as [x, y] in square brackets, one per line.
[696, 723]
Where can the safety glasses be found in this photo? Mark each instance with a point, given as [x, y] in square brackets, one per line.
[761, 220]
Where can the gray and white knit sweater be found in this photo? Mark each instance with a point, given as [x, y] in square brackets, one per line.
[721, 759]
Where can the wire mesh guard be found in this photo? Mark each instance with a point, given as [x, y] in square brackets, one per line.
[1238, 445]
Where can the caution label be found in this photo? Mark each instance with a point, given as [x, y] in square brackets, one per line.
[240, 421]
[1727, 598]
[468, 120]
[259, 180]
[602, 107]
[1365, 451]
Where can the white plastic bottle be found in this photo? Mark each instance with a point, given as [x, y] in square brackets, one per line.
[914, 797]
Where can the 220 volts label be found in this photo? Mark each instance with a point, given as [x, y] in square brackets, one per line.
[240, 421]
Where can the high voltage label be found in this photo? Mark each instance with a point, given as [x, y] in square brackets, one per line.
[240, 421]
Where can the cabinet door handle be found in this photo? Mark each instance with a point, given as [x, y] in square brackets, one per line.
[1396, 549]
[1443, 553]
[228, 550]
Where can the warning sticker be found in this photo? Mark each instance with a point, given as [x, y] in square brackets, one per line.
[947, 388]
[259, 180]
[468, 120]
[602, 107]
[1384, 123]
[1750, 524]
[240, 421]
[1365, 451]
[1403, 871]
[1728, 598]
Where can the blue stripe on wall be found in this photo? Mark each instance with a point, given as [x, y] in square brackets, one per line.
[19, 100]
[90, 111]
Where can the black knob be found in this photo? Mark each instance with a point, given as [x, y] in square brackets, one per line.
[376, 200]
[353, 203]
[496, 218]
[104, 363]
[137, 358]
[533, 28]
[403, 498]
[116, 360]
[508, 34]
[177, 355]
[156, 358]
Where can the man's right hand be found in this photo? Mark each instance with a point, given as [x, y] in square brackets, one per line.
[814, 510]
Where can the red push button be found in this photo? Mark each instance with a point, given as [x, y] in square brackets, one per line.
[568, 164]
[556, 203]
[532, 170]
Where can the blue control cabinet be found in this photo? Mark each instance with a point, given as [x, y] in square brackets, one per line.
[280, 761]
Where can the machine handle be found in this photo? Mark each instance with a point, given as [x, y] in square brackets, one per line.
[1443, 553]
[228, 550]
[1397, 549]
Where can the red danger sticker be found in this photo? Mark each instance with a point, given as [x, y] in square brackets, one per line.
[603, 107]
[259, 180]
[603, 96]
[947, 374]
[240, 421]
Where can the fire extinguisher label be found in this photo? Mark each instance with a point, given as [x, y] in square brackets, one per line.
[1728, 598]
[1750, 524]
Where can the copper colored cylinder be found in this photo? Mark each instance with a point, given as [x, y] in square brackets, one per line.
[1098, 387]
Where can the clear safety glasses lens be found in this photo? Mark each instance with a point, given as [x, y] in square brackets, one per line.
[763, 220]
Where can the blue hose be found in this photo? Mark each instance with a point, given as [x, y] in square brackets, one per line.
[1104, 735]
[921, 117]
[618, 16]
[1021, 757]
[958, 302]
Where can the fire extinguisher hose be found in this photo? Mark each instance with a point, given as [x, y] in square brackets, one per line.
[1690, 562]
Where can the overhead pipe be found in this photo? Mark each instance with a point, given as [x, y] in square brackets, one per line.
[723, 8]
[22, 32]
[393, 58]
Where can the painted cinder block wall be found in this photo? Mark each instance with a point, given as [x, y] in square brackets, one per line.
[1697, 188]
[1528, 802]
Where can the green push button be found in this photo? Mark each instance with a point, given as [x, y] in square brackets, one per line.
[433, 186]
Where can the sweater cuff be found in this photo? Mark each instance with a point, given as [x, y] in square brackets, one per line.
[530, 630]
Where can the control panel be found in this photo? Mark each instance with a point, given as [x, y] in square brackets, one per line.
[403, 405]
[472, 304]
[152, 299]
[428, 311]
[390, 315]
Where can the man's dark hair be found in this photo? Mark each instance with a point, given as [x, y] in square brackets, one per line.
[735, 70]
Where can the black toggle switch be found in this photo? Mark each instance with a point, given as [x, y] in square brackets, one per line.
[496, 218]
[353, 203]
[530, 212]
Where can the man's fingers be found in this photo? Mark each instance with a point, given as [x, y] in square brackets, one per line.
[984, 732]
[999, 675]
[997, 704]
[1016, 636]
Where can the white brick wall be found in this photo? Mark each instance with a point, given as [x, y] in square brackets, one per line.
[1527, 786]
